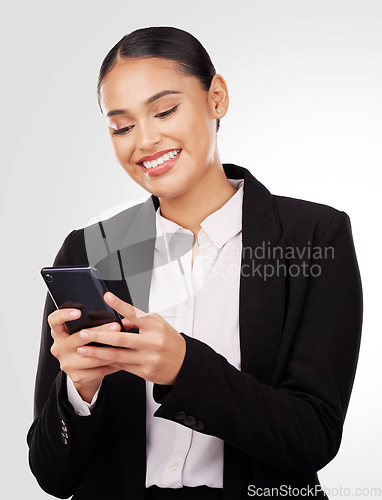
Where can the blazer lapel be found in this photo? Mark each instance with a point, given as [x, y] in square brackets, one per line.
[261, 282]
[137, 255]
[122, 249]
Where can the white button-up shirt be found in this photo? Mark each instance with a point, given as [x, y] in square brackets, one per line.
[200, 299]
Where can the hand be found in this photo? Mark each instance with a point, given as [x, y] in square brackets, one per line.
[86, 373]
[155, 354]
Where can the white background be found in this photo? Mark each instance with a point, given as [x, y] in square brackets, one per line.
[305, 81]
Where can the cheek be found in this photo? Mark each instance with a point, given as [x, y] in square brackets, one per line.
[194, 130]
[122, 150]
[123, 153]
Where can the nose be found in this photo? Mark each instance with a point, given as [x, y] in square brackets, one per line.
[147, 136]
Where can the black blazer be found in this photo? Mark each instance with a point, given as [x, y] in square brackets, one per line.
[280, 416]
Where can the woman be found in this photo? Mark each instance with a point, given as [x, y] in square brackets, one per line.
[248, 307]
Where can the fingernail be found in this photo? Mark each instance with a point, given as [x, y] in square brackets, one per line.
[81, 350]
[113, 327]
[109, 296]
[84, 334]
[74, 314]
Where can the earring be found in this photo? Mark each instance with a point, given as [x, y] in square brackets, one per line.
[219, 111]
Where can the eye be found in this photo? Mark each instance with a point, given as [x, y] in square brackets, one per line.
[122, 131]
[167, 113]
[164, 114]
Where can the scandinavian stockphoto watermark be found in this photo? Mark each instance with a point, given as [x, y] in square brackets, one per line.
[313, 491]
[266, 261]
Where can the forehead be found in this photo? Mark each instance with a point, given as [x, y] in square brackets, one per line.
[133, 81]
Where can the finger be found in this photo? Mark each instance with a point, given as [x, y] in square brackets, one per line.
[78, 339]
[109, 337]
[79, 363]
[124, 308]
[110, 356]
[128, 323]
[114, 326]
[58, 318]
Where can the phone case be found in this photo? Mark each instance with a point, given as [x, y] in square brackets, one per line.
[80, 287]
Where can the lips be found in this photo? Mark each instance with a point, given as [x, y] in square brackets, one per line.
[156, 156]
[159, 163]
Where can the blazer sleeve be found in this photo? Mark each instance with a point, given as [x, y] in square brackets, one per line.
[60, 441]
[295, 423]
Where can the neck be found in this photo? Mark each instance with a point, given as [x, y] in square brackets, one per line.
[192, 207]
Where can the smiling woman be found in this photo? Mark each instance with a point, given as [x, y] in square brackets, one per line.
[237, 379]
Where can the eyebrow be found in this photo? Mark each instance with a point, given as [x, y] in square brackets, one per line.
[150, 100]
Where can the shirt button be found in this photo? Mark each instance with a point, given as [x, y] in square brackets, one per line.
[173, 466]
[186, 302]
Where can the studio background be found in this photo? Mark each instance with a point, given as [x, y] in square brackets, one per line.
[305, 80]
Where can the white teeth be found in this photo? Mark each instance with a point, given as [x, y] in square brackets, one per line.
[161, 159]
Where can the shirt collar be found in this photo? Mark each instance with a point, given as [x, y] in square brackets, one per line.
[225, 223]
[220, 226]
[165, 231]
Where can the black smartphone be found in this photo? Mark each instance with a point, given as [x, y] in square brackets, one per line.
[80, 287]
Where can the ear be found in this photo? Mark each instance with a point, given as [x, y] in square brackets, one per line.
[218, 97]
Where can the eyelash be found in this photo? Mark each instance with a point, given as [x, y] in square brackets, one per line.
[167, 113]
[161, 116]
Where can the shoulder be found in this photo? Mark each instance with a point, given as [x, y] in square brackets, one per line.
[311, 220]
[81, 243]
[296, 209]
[282, 218]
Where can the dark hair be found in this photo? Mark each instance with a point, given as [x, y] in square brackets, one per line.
[163, 42]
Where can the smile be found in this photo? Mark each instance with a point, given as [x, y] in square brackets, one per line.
[162, 159]
[159, 163]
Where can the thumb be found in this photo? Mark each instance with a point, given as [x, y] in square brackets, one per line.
[124, 308]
